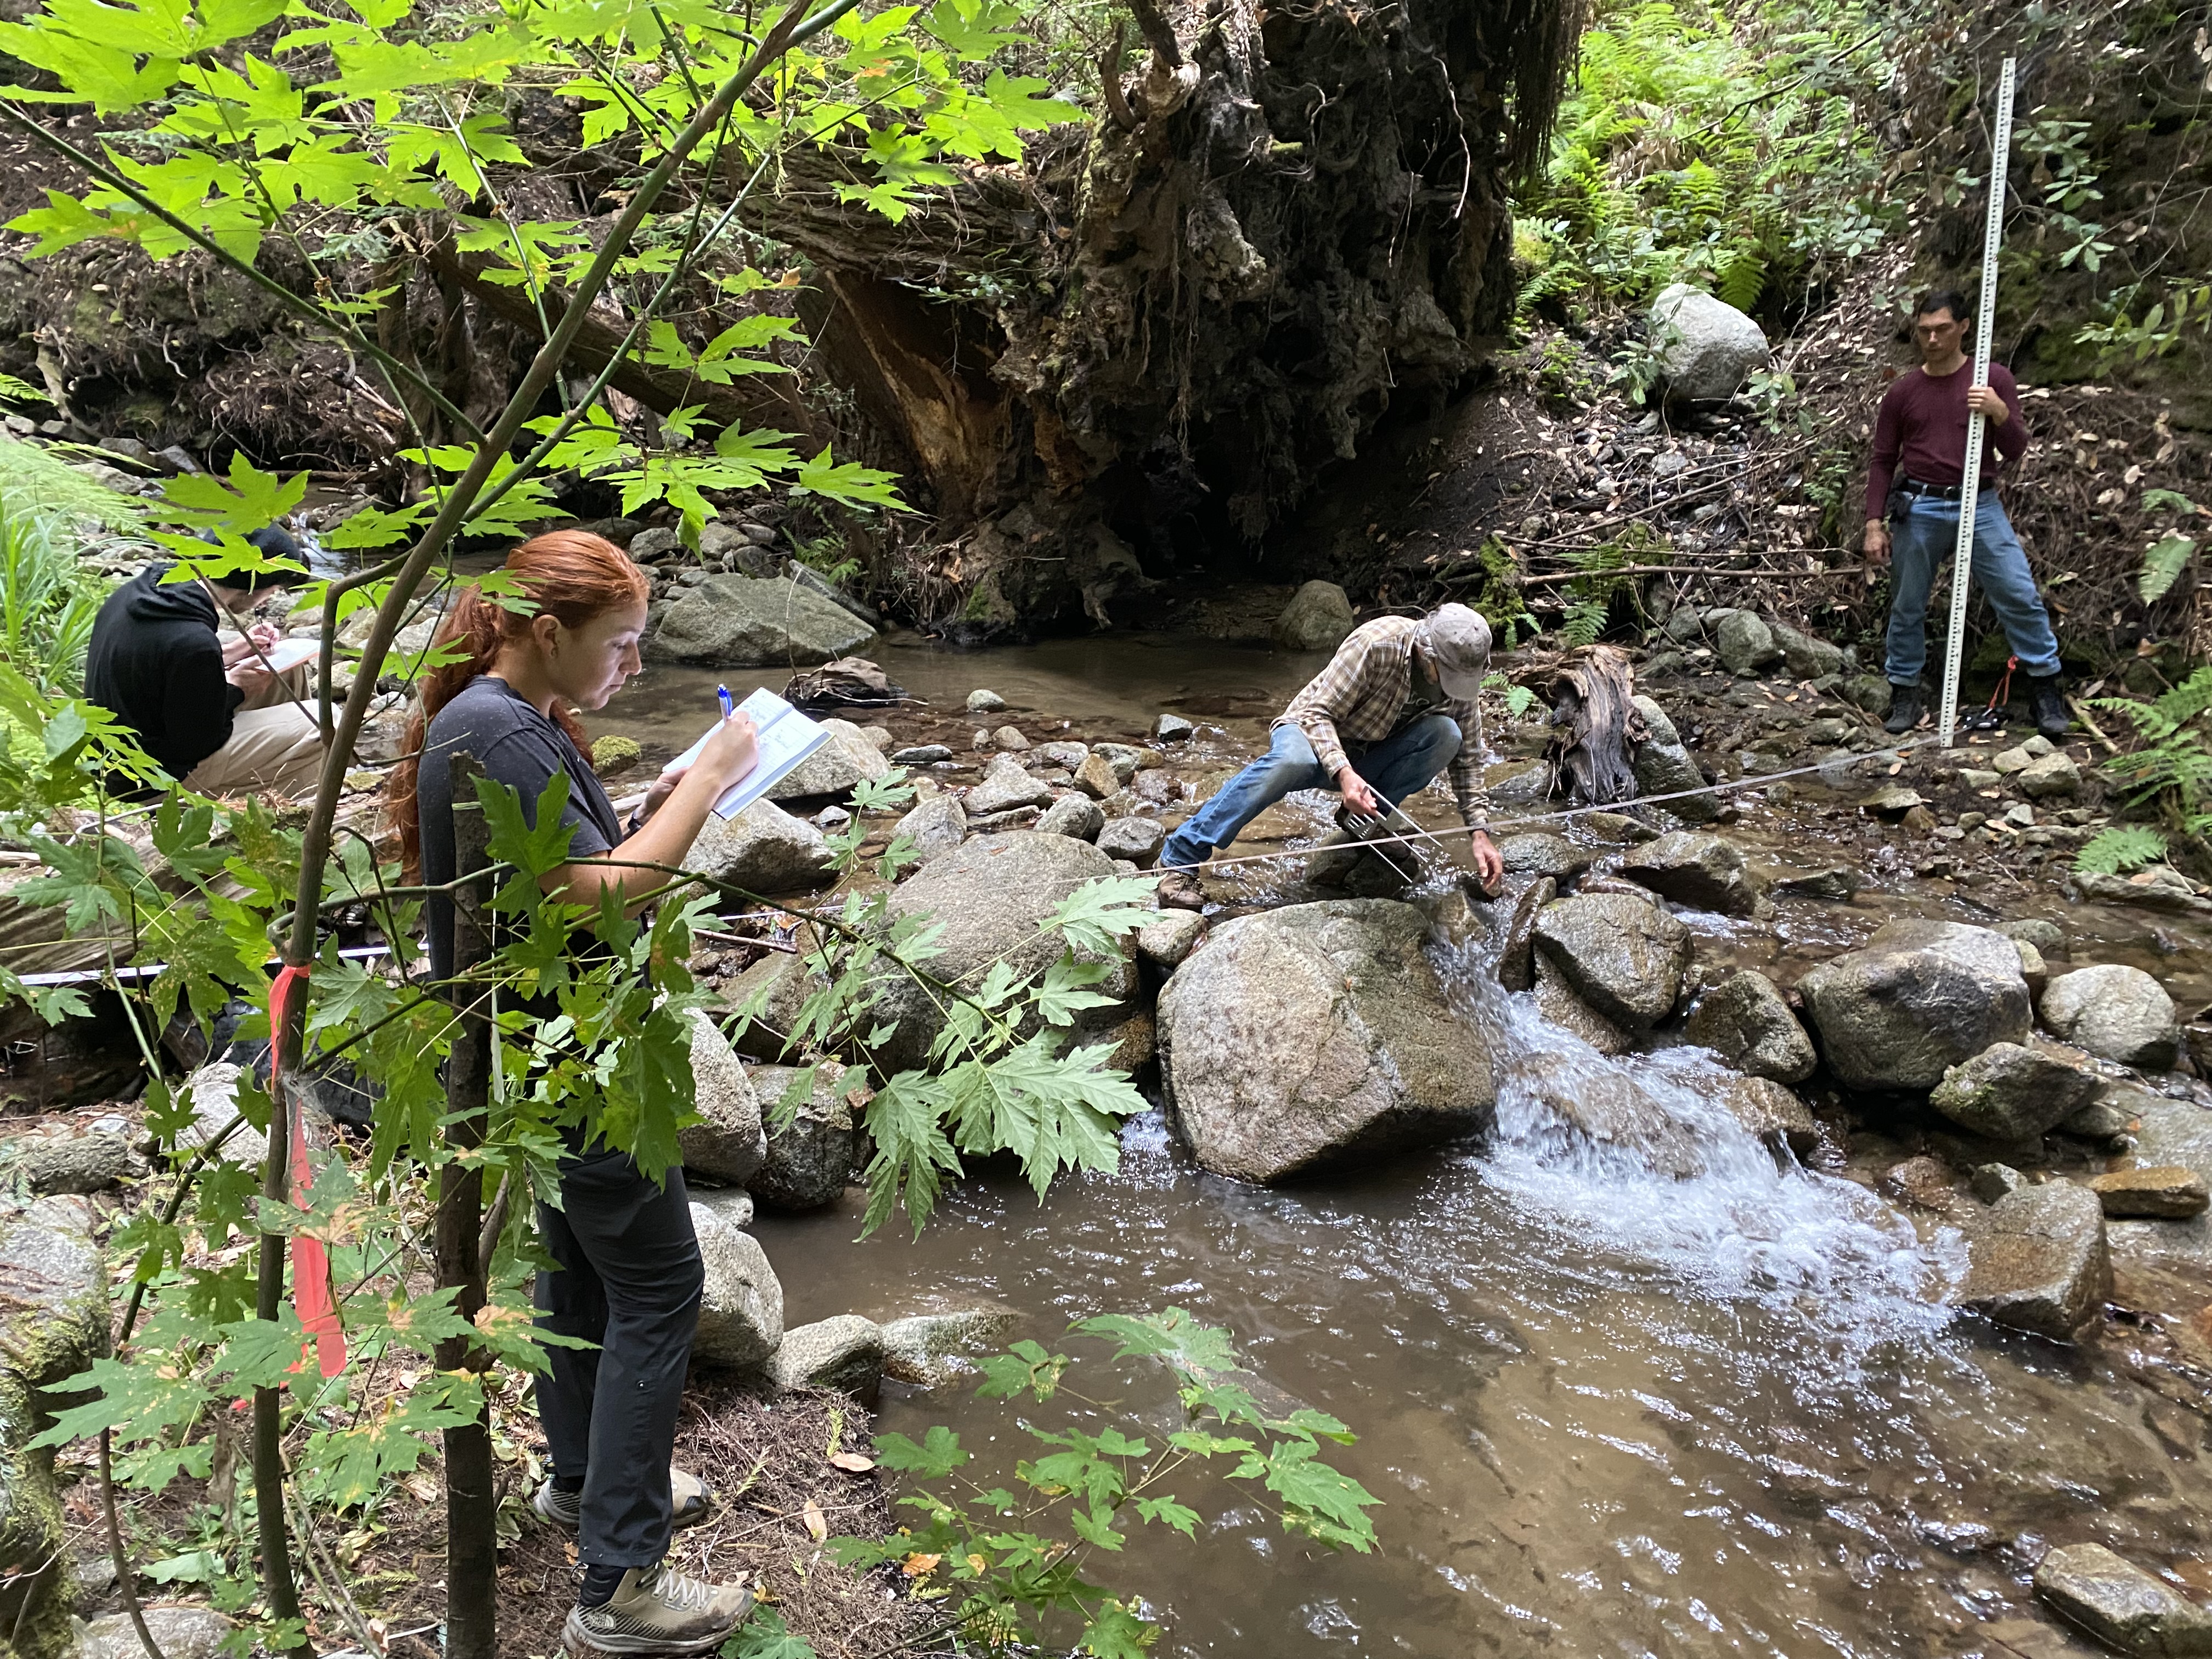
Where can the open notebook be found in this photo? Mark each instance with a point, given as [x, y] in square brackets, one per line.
[286, 654]
[786, 738]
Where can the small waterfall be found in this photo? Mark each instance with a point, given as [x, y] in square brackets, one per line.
[1636, 1158]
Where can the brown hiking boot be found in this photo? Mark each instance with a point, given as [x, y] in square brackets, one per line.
[656, 1609]
[1179, 890]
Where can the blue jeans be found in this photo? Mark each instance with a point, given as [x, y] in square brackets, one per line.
[1921, 541]
[1402, 762]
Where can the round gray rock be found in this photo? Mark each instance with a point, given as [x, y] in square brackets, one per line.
[1315, 1036]
[2115, 1013]
[1073, 815]
[1916, 999]
[2010, 1092]
[808, 1160]
[845, 1353]
[1706, 348]
[730, 1147]
[1748, 1023]
[835, 768]
[990, 894]
[1745, 644]
[1138, 839]
[1006, 785]
[935, 826]
[1704, 871]
[1317, 618]
[1621, 952]
[762, 850]
[741, 1307]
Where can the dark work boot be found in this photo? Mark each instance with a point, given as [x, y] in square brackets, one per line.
[1905, 709]
[2046, 706]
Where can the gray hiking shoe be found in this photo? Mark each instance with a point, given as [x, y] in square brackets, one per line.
[656, 1609]
[694, 1502]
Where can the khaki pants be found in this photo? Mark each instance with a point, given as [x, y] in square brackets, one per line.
[276, 746]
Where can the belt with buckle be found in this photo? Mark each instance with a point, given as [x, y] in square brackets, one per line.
[1941, 492]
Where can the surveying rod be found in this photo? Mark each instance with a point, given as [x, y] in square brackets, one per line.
[1962, 561]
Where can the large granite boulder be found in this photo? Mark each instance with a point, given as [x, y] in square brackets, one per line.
[729, 1147]
[837, 768]
[989, 895]
[1706, 348]
[741, 1308]
[1317, 618]
[2010, 1092]
[2116, 1013]
[1622, 953]
[53, 1323]
[1316, 1035]
[1704, 871]
[740, 622]
[2038, 1261]
[1748, 1023]
[762, 850]
[1917, 999]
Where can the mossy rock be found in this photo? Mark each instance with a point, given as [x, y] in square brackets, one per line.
[54, 1288]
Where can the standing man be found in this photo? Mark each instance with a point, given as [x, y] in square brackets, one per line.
[1394, 706]
[1912, 511]
[212, 715]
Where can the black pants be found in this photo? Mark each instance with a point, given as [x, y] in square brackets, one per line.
[629, 1280]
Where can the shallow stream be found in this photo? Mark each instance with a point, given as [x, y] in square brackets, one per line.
[1608, 1410]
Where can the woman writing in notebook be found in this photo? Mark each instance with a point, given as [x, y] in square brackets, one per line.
[630, 1275]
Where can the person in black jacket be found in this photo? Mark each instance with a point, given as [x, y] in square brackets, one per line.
[211, 713]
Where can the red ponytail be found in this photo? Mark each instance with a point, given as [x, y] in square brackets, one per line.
[569, 575]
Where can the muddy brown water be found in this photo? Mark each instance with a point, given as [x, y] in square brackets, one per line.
[1608, 1410]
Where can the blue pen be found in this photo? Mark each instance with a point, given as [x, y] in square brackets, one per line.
[728, 708]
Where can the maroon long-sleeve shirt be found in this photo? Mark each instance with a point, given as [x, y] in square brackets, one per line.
[1923, 427]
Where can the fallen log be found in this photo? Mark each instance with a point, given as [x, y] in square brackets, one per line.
[1592, 753]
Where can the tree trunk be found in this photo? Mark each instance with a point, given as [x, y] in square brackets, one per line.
[1290, 222]
[471, 1496]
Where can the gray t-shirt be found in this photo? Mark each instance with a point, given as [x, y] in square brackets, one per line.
[518, 746]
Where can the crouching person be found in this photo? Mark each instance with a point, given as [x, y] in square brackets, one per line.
[1396, 706]
[211, 713]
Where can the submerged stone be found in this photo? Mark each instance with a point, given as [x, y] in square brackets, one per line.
[2038, 1261]
[2121, 1605]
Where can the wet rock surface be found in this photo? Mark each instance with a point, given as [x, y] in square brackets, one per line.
[2039, 1261]
[2008, 1092]
[1918, 998]
[1314, 1035]
[2115, 1013]
[2167, 1192]
[807, 1161]
[2121, 1605]
[845, 1353]
[730, 1147]
[1623, 954]
[1748, 1023]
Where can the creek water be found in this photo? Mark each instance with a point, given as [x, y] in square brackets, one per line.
[1669, 1396]
[1611, 1407]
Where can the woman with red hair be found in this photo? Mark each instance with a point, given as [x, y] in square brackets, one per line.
[629, 1273]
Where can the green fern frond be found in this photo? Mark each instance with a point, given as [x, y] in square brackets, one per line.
[2192, 697]
[2163, 563]
[1585, 621]
[33, 477]
[2120, 848]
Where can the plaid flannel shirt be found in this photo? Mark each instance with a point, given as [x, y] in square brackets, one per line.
[1357, 699]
